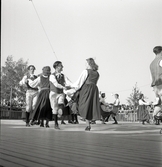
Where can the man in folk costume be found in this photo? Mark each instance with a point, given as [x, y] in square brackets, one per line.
[58, 83]
[156, 72]
[31, 93]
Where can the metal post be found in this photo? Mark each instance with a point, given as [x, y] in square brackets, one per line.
[10, 102]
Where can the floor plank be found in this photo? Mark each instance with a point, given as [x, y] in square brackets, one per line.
[123, 145]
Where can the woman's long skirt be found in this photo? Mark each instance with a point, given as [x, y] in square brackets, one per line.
[89, 105]
[43, 108]
[142, 113]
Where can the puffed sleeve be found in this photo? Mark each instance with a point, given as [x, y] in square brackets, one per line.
[35, 83]
[22, 82]
[78, 84]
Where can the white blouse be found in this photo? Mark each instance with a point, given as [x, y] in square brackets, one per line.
[141, 102]
[36, 82]
[78, 84]
[116, 102]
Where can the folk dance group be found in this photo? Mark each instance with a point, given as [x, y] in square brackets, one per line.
[46, 95]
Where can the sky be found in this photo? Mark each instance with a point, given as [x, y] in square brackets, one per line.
[119, 34]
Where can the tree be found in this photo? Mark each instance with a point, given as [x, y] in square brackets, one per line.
[134, 96]
[11, 74]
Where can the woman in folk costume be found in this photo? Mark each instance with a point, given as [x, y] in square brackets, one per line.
[31, 93]
[88, 103]
[43, 110]
[142, 110]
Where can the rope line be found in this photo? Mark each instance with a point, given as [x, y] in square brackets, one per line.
[44, 29]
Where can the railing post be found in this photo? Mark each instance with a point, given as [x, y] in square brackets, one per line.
[10, 103]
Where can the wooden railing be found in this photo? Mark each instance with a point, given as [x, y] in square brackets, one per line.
[11, 114]
[126, 116]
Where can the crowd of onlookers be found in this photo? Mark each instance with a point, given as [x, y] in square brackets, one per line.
[123, 108]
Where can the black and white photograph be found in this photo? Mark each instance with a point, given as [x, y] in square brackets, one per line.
[81, 83]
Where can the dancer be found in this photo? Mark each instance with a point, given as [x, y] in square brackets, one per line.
[143, 113]
[73, 104]
[156, 71]
[88, 104]
[114, 107]
[157, 110]
[66, 112]
[105, 108]
[43, 110]
[31, 93]
[58, 83]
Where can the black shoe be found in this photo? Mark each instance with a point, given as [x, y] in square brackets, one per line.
[103, 122]
[93, 122]
[88, 128]
[76, 122]
[32, 123]
[115, 123]
[41, 125]
[27, 124]
[62, 122]
[47, 126]
[106, 119]
[37, 123]
[56, 126]
[70, 122]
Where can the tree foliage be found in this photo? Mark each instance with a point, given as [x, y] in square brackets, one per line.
[134, 97]
[11, 74]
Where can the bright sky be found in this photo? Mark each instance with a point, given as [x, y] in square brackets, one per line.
[119, 34]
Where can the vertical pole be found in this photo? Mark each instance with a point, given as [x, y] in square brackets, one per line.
[10, 102]
[134, 114]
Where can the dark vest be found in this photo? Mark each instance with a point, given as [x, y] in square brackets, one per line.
[32, 78]
[60, 80]
[159, 103]
[44, 82]
[156, 71]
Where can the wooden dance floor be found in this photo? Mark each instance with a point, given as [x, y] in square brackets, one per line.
[124, 145]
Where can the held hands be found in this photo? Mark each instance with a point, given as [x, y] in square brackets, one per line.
[26, 81]
[69, 92]
[67, 87]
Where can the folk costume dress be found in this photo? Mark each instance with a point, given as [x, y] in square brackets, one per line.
[43, 108]
[88, 103]
[143, 114]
